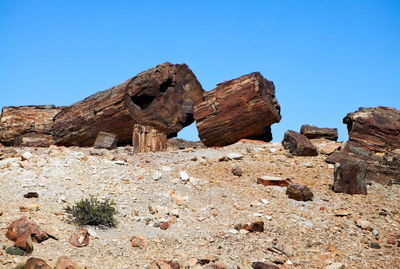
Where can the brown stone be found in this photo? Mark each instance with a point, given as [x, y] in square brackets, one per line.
[261, 265]
[66, 263]
[313, 132]
[298, 144]
[257, 226]
[35, 263]
[23, 226]
[24, 242]
[138, 241]
[162, 97]
[31, 194]
[80, 238]
[273, 181]
[105, 140]
[349, 177]
[162, 264]
[29, 126]
[147, 139]
[237, 171]
[299, 192]
[164, 225]
[239, 108]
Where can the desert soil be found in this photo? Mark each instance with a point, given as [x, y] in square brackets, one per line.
[202, 211]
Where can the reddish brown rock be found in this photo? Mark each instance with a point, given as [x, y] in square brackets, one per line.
[376, 129]
[162, 97]
[66, 263]
[314, 132]
[27, 125]
[80, 238]
[23, 226]
[261, 265]
[24, 242]
[349, 177]
[138, 241]
[164, 225]
[298, 144]
[35, 263]
[257, 226]
[147, 139]
[239, 108]
[299, 192]
[273, 181]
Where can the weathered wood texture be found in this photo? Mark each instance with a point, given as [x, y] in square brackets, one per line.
[374, 138]
[376, 129]
[314, 132]
[106, 140]
[298, 144]
[147, 138]
[27, 125]
[162, 97]
[239, 108]
[349, 177]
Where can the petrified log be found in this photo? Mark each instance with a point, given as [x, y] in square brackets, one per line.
[298, 144]
[162, 97]
[239, 108]
[147, 138]
[314, 132]
[376, 129]
[105, 140]
[27, 125]
[350, 177]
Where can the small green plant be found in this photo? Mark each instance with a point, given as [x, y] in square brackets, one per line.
[93, 212]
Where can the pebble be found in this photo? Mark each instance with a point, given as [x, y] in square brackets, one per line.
[157, 176]
[375, 245]
[336, 265]
[234, 156]
[308, 165]
[237, 171]
[26, 156]
[184, 176]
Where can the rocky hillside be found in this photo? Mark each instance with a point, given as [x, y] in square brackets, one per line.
[200, 208]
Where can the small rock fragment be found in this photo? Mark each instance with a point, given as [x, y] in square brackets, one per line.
[138, 241]
[257, 226]
[164, 225]
[237, 171]
[29, 208]
[207, 259]
[363, 224]
[31, 194]
[273, 181]
[336, 265]
[65, 262]
[157, 176]
[80, 238]
[184, 176]
[26, 156]
[234, 156]
[261, 265]
[299, 192]
[35, 263]
[375, 245]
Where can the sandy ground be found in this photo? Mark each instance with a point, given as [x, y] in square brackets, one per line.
[203, 211]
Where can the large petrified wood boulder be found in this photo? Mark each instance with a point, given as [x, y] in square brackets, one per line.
[239, 108]
[298, 144]
[376, 129]
[27, 125]
[147, 139]
[374, 138]
[162, 97]
[314, 132]
[349, 177]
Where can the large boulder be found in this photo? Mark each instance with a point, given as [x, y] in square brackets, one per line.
[314, 132]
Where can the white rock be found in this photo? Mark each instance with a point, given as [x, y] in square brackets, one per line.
[269, 218]
[184, 176]
[234, 156]
[166, 168]
[331, 166]
[336, 265]
[257, 215]
[232, 231]
[26, 156]
[308, 165]
[243, 231]
[157, 175]
[264, 201]
[272, 150]
[120, 162]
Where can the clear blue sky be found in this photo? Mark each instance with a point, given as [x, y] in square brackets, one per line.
[326, 58]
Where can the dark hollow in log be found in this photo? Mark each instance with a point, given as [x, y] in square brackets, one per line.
[162, 97]
[147, 139]
[27, 125]
[239, 108]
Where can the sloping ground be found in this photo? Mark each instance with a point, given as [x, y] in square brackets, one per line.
[308, 234]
